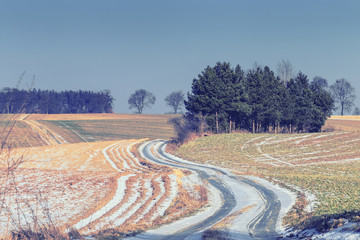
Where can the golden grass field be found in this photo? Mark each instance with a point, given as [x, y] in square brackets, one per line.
[44, 129]
[325, 165]
[343, 123]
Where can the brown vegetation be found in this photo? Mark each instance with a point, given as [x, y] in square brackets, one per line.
[47, 129]
[343, 123]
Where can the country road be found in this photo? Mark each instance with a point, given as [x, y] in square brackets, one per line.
[260, 222]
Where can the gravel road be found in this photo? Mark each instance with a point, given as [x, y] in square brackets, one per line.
[235, 193]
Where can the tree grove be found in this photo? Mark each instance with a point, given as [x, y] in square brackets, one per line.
[258, 101]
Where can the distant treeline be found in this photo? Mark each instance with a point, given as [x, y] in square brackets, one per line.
[13, 100]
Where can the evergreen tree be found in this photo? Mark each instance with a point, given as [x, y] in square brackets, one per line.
[323, 103]
[259, 101]
[215, 94]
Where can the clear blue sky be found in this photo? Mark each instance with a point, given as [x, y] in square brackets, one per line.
[162, 45]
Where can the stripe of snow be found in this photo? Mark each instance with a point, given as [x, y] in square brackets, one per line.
[117, 216]
[124, 159]
[119, 195]
[154, 201]
[133, 157]
[109, 159]
[168, 229]
[168, 200]
[118, 156]
[121, 220]
[148, 194]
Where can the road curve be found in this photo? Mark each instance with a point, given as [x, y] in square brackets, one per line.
[260, 225]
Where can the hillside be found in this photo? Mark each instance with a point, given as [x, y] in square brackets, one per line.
[321, 167]
[47, 129]
[72, 176]
[343, 123]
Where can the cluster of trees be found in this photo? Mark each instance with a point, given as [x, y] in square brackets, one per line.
[13, 100]
[142, 98]
[258, 101]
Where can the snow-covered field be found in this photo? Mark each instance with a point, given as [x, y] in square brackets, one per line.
[93, 186]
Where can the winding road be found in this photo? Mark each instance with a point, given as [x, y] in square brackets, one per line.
[261, 222]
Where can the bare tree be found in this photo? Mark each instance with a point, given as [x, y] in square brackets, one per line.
[175, 100]
[285, 71]
[141, 99]
[344, 94]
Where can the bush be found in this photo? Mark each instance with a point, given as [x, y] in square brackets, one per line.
[188, 126]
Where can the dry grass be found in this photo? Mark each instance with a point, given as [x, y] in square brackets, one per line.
[95, 116]
[49, 129]
[78, 180]
[343, 123]
[71, 181]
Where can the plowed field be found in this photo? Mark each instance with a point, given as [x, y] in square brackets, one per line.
[93, 184]
[48, 129]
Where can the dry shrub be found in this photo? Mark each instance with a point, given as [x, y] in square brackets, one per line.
[297, 213]
[329, 128]
[188, 127]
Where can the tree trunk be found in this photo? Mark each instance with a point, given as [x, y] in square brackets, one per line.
[253, 126]
[230, 124]
[342, 109]
[217, 122]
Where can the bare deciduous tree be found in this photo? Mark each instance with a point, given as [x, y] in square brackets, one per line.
[141, 99]
[175, 100]
[285, 71]
[344, 94]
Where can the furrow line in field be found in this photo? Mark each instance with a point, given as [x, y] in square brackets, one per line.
[73, 130]
[118, 213]
[126, 161]
[119, 195]
[133, 157]
[145, 200]
[107, 157]
[170, 195]
[129, 162]
[46, 135]
[134, 206]
[270, 157]
[150, 204]
[113, 154]
[128, 156]
[156, 203]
